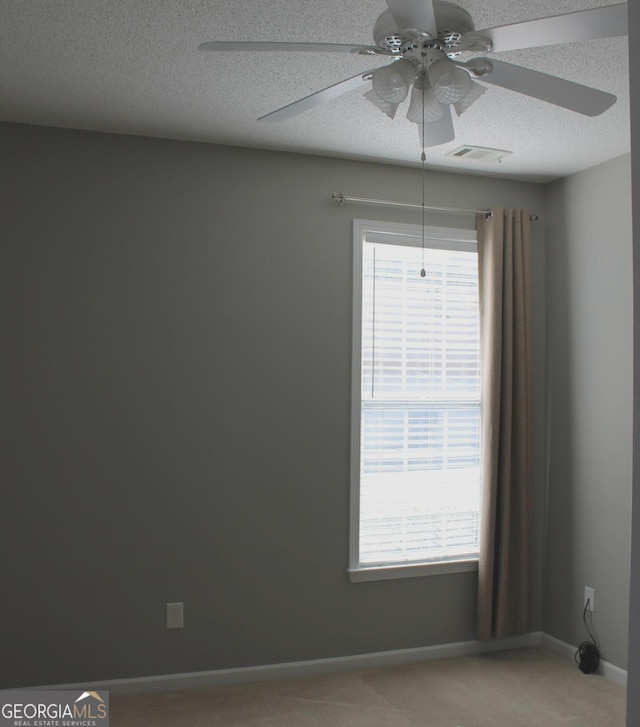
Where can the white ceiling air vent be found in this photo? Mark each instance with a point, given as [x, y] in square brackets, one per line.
[479, 153]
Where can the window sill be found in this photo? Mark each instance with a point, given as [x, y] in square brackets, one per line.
[390, 572]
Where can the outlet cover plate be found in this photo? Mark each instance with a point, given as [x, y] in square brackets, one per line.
[590, 597]
[175, 615]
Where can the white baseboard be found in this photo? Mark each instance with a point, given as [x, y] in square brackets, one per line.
[201, 679]
[218, 677]
[562, 648]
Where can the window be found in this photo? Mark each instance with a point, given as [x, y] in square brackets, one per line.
[416, 402]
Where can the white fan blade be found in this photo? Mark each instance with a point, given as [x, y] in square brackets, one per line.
[415, 14]
[604, 22]
[315, 99]
[567, 94]
[437, 132]
[232, 45]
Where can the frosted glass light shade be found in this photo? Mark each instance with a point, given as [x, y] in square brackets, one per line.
[388, 108]
[472, 95]
[423, 100]
[450, 83]
[392, 83]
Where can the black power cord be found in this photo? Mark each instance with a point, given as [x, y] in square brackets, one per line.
[588, 654]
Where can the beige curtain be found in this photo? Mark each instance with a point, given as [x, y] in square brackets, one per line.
[504, 241]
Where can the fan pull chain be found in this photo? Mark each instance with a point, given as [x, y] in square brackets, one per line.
[423, 158]
[373, 330]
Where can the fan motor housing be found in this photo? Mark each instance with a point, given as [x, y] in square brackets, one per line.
[452, 21]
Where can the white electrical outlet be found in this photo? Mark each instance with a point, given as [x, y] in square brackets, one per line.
[590, 598]
[175, 615]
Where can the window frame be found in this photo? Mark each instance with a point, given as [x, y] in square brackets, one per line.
[457, 238]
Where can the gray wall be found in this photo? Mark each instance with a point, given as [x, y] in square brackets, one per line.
[633, 691]
[589, 348]
[175, 408]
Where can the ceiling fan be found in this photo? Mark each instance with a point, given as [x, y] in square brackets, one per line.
[437, 57]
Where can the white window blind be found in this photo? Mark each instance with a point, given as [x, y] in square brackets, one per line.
[418, 397]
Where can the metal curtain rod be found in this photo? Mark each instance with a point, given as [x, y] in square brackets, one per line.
[342, 198]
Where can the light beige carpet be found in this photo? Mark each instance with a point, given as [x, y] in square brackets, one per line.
[519, 688]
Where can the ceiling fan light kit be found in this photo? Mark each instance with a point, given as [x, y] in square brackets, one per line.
[450, 82]
[472, 95]
[429, 70]
[392, 83]
[434, 47]
[424, 106]
[385, 106]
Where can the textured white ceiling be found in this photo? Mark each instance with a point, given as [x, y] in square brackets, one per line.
[131, 66]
